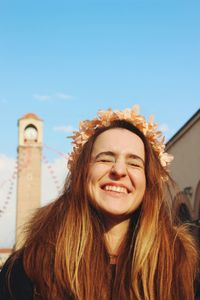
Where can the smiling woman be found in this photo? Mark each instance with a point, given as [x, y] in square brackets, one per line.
[116, 178]
[110, 235]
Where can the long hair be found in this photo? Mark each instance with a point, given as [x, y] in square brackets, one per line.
[65, 256]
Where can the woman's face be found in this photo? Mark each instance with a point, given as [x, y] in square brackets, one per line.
[116, 178]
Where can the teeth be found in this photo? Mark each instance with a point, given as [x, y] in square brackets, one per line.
[114, 188]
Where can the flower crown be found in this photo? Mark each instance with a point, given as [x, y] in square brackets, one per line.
[106, 117]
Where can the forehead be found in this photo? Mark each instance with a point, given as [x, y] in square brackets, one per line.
[119, 141]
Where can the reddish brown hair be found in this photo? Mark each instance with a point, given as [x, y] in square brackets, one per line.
[64, 252]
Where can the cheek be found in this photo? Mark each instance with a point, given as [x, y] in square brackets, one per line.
[91, 176]
[143, 183]
[92, 180]
[139, 180]
[143, 179]
[91, 188]
[96, 172]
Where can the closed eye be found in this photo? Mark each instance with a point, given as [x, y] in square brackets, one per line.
[105, 160]
[136, 164]
[105, 157]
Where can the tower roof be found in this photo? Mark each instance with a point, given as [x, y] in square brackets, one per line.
[30, 116]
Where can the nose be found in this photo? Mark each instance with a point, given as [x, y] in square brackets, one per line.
[118, 169]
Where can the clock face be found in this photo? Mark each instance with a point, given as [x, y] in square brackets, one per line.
[31, 133]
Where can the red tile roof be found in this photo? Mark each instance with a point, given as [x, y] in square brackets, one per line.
[30, 116]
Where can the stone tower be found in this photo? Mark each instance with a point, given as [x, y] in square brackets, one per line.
[29, 170]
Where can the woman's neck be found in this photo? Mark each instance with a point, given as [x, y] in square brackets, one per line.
[115, 235]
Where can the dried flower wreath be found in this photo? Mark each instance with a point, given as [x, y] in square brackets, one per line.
[105, 118]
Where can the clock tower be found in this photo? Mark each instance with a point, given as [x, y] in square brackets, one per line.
[29, 170]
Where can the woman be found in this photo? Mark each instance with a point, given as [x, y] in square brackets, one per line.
[110, 235]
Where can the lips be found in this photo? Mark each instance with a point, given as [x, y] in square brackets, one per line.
[119, 188]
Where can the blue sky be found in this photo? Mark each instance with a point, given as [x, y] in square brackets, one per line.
[98, 54]
[64, 60]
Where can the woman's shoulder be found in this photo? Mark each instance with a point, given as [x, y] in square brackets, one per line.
[14, 283]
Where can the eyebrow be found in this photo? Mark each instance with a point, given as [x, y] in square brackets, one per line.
[110, 153]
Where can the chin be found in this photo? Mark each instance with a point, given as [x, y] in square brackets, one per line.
[115, 213]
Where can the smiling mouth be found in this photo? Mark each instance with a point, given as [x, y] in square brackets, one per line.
[117, 189]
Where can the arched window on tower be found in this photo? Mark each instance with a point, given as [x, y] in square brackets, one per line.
[30, 134]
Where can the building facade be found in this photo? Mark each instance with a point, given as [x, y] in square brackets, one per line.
[185, 169]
